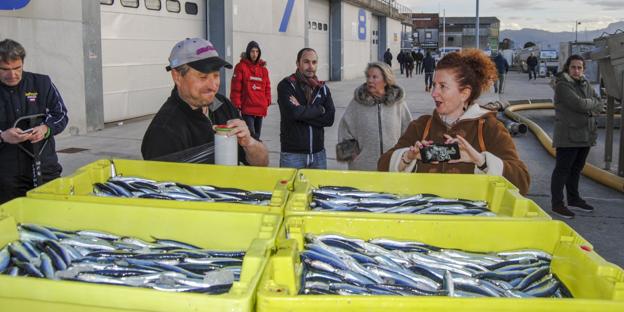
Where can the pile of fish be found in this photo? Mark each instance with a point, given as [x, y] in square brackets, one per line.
[344, 198]
[121, 186]
[105, 258]
[334, 264]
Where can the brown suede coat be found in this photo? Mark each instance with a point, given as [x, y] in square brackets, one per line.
[496, 137]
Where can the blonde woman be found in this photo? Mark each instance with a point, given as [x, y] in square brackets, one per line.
[376, 116]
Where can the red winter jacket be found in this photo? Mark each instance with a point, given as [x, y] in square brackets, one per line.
[251, 88]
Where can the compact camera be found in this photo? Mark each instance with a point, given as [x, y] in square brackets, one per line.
[439, 152]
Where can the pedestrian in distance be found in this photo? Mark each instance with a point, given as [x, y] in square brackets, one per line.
[576, 108]
[485, 146]
[375, 118]
[409, 65]
[418, 58]
[401, 60]
[251, 88]
[502, 67]
[429, 65]
[388, 57]
[532, 66]
[22, 138]
[184, 123]
[306, 107]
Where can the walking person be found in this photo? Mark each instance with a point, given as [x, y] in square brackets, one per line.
[306, 107]
[418, 58]
[429, 66]
[485, 146]
[251, 88]
[576, 108]
[375, 118]
[502, 67]
[388, 57]
[401, 60]
[532, 66]
[409, 65]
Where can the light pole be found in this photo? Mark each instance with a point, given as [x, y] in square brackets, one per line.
[477, 26]
[576, 31]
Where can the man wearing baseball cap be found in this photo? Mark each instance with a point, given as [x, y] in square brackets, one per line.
[186, 119]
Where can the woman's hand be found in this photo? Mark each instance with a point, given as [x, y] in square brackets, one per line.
[414, 151]
[467, 153]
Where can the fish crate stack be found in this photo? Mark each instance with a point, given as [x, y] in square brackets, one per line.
[594, 284]
[253, 233]
[494, 195]
[81, 185]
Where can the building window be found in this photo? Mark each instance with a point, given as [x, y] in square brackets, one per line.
[325, 27]
[451, 39]
[428, 35]
[107, 2]
[190, 8]
[314, 25]
[309, 25]
[130, 3]
[152, 5]
[173, 6]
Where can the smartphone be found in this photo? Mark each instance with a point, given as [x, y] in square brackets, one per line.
[440, 152]
[27, 131]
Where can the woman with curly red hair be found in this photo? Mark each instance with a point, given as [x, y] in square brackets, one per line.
[485, 146]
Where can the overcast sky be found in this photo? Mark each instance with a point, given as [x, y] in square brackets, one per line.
[551, 15]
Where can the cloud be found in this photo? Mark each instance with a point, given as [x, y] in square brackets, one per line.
[609, 4]
[518, 5]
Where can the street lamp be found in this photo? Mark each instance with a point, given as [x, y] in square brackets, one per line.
[576, 31]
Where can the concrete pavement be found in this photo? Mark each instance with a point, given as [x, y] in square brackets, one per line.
[603, 228]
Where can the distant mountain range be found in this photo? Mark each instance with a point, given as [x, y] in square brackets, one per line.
[551, 40]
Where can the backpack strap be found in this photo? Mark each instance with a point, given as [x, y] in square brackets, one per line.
[480, 134]
[427, 127]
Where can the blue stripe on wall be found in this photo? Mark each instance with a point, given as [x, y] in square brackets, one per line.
[13, 4]
[286, 16]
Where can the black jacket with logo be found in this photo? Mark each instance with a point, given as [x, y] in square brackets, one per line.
[35, 94]
[177, 127]
[301, 127]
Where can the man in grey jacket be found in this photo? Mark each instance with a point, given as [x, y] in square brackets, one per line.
[576, 105]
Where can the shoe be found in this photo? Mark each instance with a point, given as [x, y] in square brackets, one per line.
[563, 211]
[581, 206]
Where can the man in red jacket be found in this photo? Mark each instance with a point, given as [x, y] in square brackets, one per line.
[251, 88]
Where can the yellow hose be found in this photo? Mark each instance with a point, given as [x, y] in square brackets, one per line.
[602, 176]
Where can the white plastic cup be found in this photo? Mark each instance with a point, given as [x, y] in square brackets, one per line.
[226, 146]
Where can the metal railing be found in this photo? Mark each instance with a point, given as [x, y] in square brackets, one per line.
[390, 8]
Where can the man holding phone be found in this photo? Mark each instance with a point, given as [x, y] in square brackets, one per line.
[24, 94]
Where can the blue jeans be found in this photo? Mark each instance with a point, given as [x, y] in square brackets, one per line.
[300, 161]
[254, 123]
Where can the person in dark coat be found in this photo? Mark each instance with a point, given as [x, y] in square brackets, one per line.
[306, 108]
[24, 94]
[576, 108]
[409, 64]
[429, 66]
[532, 66]
[401, 60]
[388, 58]
[418, 58]
[185, 121]
[502, 67]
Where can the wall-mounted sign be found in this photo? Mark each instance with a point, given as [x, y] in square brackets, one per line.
[13, 4]
[362, 24]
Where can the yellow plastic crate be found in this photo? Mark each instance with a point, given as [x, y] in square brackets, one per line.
[596, 284]
[79, 185]
[502, 197]
[253, 232]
